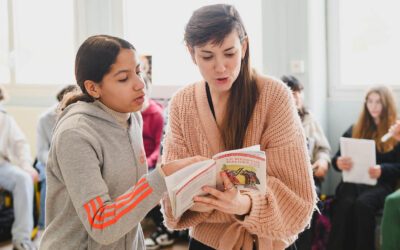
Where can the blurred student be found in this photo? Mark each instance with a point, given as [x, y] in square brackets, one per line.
[17, 176]
[355, 205]
[44, 132]
[153, 123]
[98, 185]
[318, 147]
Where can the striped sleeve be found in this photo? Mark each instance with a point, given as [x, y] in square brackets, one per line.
[106, 220]
[100, 215]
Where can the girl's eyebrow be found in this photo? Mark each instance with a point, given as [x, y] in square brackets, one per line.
[225, 50]
[126, 70]
[121, 71]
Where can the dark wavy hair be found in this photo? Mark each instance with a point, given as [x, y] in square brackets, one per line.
[296, 86]
[213, 23]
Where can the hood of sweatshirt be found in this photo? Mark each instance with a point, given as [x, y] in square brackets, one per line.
[91, 109]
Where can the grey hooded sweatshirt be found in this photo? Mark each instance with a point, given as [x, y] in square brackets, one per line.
[98, 189]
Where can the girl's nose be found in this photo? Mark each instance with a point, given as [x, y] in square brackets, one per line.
[139, 84]
[219, 66]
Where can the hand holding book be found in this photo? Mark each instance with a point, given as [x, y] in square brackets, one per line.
[229, 201]
[244, 168]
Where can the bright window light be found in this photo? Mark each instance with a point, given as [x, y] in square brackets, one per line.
[369, 42]
[44, 42]
[4, 47]
[156, 28]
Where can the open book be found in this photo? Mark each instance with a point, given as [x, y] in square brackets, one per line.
[245, 167]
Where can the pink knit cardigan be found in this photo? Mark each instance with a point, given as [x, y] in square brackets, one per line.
[276, 218]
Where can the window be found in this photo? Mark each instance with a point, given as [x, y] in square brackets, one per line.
[364, 43]
[4, 40]
[42, 42]
[156, 28]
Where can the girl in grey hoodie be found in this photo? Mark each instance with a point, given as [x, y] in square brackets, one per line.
[98, 186]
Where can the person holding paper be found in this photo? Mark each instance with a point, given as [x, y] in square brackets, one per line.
[98, 188]
[318, 147]
[233, 107]
[355, 205]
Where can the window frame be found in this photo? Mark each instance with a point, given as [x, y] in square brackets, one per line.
[336, 89]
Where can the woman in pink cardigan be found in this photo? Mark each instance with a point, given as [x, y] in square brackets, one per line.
[231, 108]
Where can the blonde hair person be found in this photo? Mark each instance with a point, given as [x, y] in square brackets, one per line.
[353, 221]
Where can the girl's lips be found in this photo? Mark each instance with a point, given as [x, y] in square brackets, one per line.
[222, 80]
[140, 99]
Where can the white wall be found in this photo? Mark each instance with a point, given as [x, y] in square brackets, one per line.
[292, 31]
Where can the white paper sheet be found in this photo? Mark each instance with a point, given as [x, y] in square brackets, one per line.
[362, 153]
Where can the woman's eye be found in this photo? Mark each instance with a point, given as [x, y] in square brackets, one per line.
[230, 55]
[123, 80]
[207, 58]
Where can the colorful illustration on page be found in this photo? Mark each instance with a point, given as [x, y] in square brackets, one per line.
[242, 175]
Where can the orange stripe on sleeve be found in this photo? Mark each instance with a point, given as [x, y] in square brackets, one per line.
[123, 212]
[87, 208]
[115, 206]
[136, 185]
[140, 191]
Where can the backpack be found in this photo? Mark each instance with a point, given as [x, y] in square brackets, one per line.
[322, 226]
[6, 215]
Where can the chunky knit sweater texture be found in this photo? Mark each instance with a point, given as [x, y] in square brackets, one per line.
[276, 218]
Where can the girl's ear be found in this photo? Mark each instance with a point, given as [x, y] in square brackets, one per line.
[191, 51]
[92, 88]
[245, 43]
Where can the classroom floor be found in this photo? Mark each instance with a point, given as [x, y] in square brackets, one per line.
[147, 225]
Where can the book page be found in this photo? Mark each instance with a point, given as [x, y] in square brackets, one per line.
[183, 187]
[362, 153]
[245, 167]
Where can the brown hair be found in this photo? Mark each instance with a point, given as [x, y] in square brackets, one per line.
[366, 128]
[2, 94]
[295, 86]
[69, 88]
[213, 23]
[94, 60]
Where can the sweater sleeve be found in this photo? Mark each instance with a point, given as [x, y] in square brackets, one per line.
[391, 170]
[321, 147]
[347, 134]
[290, 200]
[19, 150]
[175, 148]
[43, 142]
[106, 220]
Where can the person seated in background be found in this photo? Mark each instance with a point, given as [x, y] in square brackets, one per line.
[17, 176]
[318, 147]
[355, 205]
[390, 229]
[44, 131]
[153, 123]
